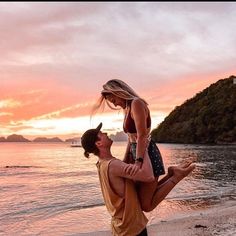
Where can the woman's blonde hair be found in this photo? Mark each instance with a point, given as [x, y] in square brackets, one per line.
[118, 88]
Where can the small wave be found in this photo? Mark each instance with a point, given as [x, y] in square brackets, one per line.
[46, 211]
[16, 170]
[22, 167]
[91, 206]
[229, 194]
[73, 174]
[60, 209]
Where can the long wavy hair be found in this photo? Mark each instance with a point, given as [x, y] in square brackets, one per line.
[118, 88]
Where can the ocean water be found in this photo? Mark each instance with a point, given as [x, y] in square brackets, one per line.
[52, 189]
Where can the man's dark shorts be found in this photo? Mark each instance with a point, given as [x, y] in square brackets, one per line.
[143, 233]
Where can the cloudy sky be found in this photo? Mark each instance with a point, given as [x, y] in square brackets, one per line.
[56, 56]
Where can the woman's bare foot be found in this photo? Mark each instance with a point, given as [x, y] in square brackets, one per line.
[180, 173]
[182, 165]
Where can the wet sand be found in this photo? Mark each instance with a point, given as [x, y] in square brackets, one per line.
[219, 220]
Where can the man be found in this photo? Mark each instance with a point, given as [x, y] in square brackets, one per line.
[117, 184]
[117, 181]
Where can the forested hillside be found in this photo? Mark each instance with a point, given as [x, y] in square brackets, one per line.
[208, 117]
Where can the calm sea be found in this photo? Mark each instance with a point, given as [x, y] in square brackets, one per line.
[52, 189]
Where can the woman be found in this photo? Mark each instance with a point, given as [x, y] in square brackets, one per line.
[137, 125]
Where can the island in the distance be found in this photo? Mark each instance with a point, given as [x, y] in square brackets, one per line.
[119, 136]
[43, 140]
[20, 138]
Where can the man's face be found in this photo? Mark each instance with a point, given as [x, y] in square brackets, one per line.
[104, 139]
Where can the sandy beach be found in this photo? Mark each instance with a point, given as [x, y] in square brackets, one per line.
[219, 220]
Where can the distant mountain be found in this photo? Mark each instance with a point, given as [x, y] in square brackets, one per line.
[16, 138]
[208, 117]
[71, 140]
[44, 139]
[2, 139]
[20, 138]
[119, 136]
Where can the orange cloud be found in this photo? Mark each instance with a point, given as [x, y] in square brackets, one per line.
[9, 103]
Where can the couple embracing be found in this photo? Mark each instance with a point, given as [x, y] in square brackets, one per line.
[132, 186]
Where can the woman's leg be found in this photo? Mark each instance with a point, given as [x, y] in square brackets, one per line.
[151, 194]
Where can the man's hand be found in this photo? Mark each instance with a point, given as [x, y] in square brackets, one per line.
[132, 169]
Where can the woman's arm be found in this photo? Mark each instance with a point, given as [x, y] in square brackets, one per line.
[139, 112]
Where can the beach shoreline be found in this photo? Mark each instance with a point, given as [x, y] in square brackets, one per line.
[219, 220]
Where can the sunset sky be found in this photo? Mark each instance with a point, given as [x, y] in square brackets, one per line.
[56, 56]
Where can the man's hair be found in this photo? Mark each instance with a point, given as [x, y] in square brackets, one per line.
[89, 139]
[95, 151]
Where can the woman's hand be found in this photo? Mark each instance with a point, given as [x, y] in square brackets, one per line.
[132, 169]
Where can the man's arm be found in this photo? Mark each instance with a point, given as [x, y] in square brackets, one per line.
[119, 168]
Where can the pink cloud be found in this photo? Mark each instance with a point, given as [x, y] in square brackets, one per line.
[56, 56]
